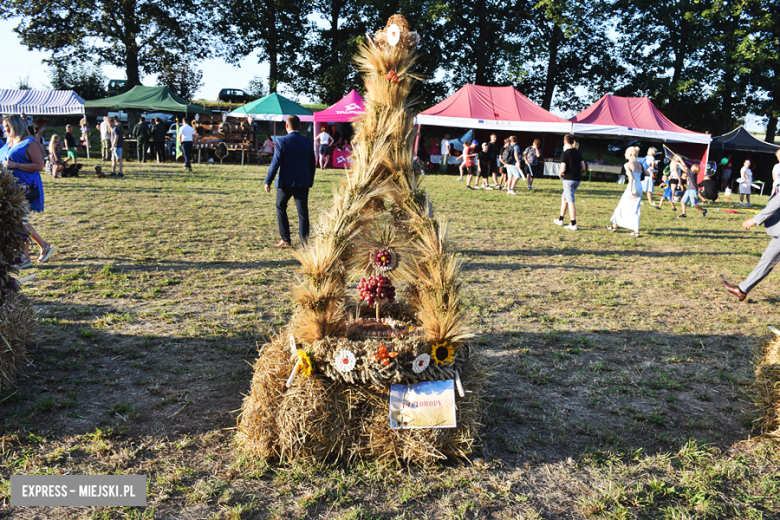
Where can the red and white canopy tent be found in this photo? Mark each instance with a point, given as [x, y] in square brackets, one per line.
[615, 116]
[492, 108]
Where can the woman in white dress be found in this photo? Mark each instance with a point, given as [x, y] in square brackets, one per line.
[745, 183]
[648, 185]
[626, 213]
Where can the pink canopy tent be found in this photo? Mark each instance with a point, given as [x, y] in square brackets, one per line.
[615, 116]
[348, 109]
[492, 108]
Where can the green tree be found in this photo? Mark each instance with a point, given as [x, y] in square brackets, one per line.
[85, 79]
[566, 56]
[129, 34]
[256, 88]
[175, 72]
[271, 28]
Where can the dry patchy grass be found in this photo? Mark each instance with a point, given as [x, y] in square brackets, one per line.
[619, 363]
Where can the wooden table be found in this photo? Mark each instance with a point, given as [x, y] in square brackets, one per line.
[603, 172]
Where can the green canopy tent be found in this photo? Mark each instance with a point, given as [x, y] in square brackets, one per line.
[149, 99]
[273, 107]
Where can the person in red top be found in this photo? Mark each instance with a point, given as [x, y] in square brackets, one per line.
[469, 161]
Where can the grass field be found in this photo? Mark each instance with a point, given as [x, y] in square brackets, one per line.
[620, 364]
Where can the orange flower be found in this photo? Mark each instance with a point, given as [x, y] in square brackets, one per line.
[383, 356]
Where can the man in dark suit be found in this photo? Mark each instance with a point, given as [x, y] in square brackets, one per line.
[294, 160]
[770, 217]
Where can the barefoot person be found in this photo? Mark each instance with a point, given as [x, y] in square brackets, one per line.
[572, 166]
[628, 210]
[25, 163]
[294, 161]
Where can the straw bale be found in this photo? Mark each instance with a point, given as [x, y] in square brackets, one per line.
[766, 387]
[319, 419]
[257, 428]
[17, 333]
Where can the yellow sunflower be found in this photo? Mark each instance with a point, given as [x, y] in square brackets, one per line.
[442, 353]
[305, 363]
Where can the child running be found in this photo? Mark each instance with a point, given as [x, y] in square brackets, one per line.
[668, 193]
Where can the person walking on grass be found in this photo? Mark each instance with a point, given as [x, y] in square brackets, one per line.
[668, 193]
[294, 161]
[324, 140]
[770, 218]
[117, 148]
[745, 184]
[25, 160]
[513, 167]
[187, 136]
[572, 166]
[648, 184]
[507, 155]
[531, 156]
[629, 208]
[691, 196]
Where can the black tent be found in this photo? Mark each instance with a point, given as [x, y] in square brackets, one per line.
[742, 140]
[739, 145]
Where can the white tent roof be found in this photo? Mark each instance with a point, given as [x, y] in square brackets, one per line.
[40, 102]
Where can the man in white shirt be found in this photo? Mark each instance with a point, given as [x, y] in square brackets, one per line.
[186, 139]
[105, 139]
[445, 153]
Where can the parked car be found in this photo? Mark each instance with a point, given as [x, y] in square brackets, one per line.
[116, 87]
[233, 95]
[166, 118]
[619, 147]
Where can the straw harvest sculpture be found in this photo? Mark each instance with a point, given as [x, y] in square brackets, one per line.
[348, 342]
[766, 387]
[17, 316]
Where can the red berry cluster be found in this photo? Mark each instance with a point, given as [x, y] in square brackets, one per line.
[376, 288]
[383, 258]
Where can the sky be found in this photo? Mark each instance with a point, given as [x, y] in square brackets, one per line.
[217, 74]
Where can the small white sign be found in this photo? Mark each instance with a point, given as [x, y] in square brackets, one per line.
[425, 405]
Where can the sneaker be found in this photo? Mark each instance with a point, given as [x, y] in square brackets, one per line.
[571, 227]
[653, 204]
[705, 213]
[682, 216]
[469, 187]
[26, 264]
[748, 205]
[120, 174]
[511, 192]
[557, 222]
[460, 179]
[530, 188]
[112, 174]
[488, 188]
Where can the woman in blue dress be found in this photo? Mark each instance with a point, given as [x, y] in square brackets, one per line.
[25, 163]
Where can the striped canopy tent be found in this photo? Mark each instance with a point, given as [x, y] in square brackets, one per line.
[40, 102]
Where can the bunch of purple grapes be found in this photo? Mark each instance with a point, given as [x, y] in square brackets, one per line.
[376, 288]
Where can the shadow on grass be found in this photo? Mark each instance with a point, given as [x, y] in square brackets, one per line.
[178, 265]
[552, 396]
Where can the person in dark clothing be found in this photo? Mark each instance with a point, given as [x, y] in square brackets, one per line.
[70, 144]
[709, 190]
[141, 134]
[572, 166]
[294, 161]
[483, 167]
[159, 132]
